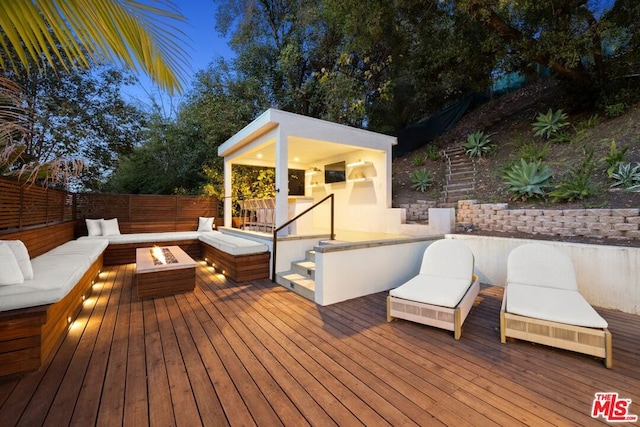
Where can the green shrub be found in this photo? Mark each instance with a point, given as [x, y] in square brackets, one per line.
[417, 160]
[627, 176]
[589, 123]
[614, 157]
[561, 137]
[478, 144]
[615, 110]
[577, 183]
[549, 124]
[421, 180]
[527, 179]
[433, 153]
[532, 151]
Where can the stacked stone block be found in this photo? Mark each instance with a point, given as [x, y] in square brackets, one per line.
[419, 211]
[609, 223]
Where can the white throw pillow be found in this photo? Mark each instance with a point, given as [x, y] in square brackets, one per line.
[110, 227]
[205, 223]
[22, 257]
[93, 227]
[10, 273]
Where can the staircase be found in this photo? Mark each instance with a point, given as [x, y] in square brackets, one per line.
[301, 278]
[460, 177]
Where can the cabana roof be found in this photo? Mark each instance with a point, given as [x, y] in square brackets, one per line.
[309, 140]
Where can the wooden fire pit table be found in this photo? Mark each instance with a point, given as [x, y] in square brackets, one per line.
[163, 271]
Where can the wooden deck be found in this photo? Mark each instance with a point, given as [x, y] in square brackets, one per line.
[255, 353]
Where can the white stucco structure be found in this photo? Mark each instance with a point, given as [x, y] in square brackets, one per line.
[290, 141]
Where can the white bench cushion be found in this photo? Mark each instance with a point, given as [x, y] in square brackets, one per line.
[91, 248]
[556, 305]
[232, 244]
[53, 277]
[170, 236]
[441, 291]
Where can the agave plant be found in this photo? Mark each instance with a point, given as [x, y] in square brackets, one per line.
[614, 158]
[421, 180]
[527, 179]
[478, 144]
[577, 183]
[627, 176]
[549, 124]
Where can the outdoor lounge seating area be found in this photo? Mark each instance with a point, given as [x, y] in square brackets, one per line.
[259, 354]
[542, 304]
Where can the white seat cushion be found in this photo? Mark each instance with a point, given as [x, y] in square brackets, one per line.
[92, 248]
[556, 305]
[148, 237]
[53, 277]
[441, 291]
[232, 244]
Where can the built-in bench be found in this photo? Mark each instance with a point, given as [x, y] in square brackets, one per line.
[122, 247]
[236, 257]
[35, 314]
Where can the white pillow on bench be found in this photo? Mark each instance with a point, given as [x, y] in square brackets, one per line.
[22, 256]
[110, 227]
[205, 223]
[10, 273]
[94, 227]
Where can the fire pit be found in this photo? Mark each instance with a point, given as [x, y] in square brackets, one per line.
[162, 271]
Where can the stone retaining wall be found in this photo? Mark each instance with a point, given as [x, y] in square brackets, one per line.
[418, 211]
[611, 223]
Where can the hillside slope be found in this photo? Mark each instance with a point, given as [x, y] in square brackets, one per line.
[508, 121]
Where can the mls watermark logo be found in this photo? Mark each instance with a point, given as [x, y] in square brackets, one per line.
[612, 408]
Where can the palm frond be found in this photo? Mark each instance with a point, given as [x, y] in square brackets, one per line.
[126, 32]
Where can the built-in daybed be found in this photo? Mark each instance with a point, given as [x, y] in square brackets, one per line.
[35, 313]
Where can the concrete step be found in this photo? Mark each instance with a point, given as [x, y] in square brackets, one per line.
[310, 255]
[455, 150]
[464, 172]
[305, 268]
[460, 190]
[299, 284]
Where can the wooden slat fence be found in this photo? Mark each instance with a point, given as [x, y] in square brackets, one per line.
[24, 205]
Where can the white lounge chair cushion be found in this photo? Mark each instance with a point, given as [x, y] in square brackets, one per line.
[232, 244]
[22, 256]
[148, 237]
[54, 276]
[92, 248]
[555, 305]
[541, 265]
[441, 291]
[448, 258]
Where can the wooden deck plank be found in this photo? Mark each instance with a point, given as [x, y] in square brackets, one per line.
[136, 411]
[256, 353]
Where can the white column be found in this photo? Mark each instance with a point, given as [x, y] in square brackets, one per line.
[228, 201]
[282, 177]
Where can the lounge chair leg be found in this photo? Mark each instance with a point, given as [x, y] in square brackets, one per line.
[608, 346]
[457, 324]
[503, 334]
[389, 318]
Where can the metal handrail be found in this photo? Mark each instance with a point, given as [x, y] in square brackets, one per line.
[275, 232]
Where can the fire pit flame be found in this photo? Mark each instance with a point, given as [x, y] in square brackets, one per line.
[158, 254]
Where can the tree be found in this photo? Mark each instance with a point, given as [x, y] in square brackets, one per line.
[47, 35]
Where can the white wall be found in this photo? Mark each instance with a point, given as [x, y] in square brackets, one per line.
[346, 274]
[608, 276]
[359, 205]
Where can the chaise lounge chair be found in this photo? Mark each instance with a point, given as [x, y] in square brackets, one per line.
[542, 304]
[442, 293]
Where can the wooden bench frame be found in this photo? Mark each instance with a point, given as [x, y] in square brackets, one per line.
[239, 268]
[28, 336]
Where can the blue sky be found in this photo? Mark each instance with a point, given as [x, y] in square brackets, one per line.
[204, 45]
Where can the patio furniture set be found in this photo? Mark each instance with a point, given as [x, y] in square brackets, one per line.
[46, 276]
[541, 301]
